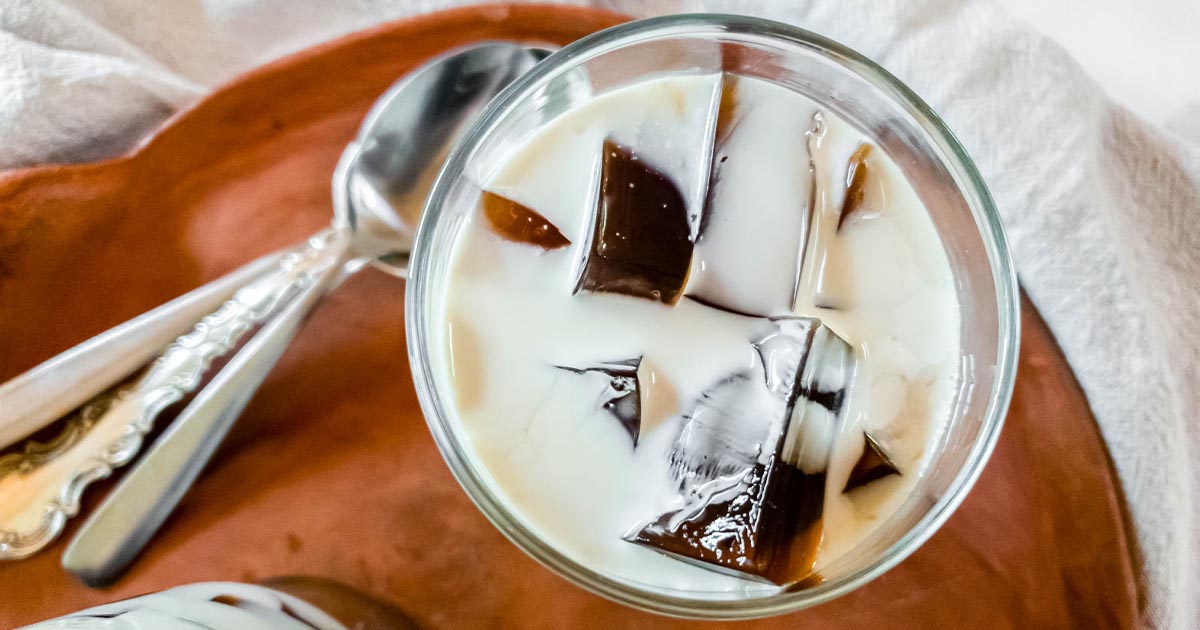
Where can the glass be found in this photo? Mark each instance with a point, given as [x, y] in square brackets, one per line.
[860, 92]
[288, 603]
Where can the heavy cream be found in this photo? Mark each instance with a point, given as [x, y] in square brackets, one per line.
[536, 326]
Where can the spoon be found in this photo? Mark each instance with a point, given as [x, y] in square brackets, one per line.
[379, 186]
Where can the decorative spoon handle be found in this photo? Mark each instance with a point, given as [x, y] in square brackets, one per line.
[116, 533]
[41, 484]
[54, 388]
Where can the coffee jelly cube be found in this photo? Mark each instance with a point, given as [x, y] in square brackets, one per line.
[751, 458]
[619, 390]
[640, 242]
[874, 464]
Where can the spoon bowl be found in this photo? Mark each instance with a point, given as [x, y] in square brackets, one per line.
[390, 167]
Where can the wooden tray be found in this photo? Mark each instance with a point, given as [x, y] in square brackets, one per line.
[331, 471]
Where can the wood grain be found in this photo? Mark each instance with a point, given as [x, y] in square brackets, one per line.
[332, 472]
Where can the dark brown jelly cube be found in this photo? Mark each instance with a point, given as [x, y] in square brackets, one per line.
[640, 242]
[620, 391]
[860, 177]
[751, 458]
[767, 525]
[521, 224]
[872, 465]
[727, 108]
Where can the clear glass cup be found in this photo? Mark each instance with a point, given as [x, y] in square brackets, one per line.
[860, 92]
[286, 603]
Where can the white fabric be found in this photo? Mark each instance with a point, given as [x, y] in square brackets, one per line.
[1115, 41]
[1102, 208]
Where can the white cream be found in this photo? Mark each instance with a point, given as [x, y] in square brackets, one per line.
[567, 468]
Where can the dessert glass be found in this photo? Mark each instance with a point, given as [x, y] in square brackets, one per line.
[860, 92]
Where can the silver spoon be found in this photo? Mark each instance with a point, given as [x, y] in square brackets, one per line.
[379, 187]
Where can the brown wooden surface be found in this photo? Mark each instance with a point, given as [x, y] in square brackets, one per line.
[332, 472]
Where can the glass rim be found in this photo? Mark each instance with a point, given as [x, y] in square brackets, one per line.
[979, 200]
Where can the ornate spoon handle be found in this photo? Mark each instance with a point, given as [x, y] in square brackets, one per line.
[41, 485]
[114, 535]
[57, 386]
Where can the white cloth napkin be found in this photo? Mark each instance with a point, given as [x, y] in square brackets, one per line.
[1103, 209]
